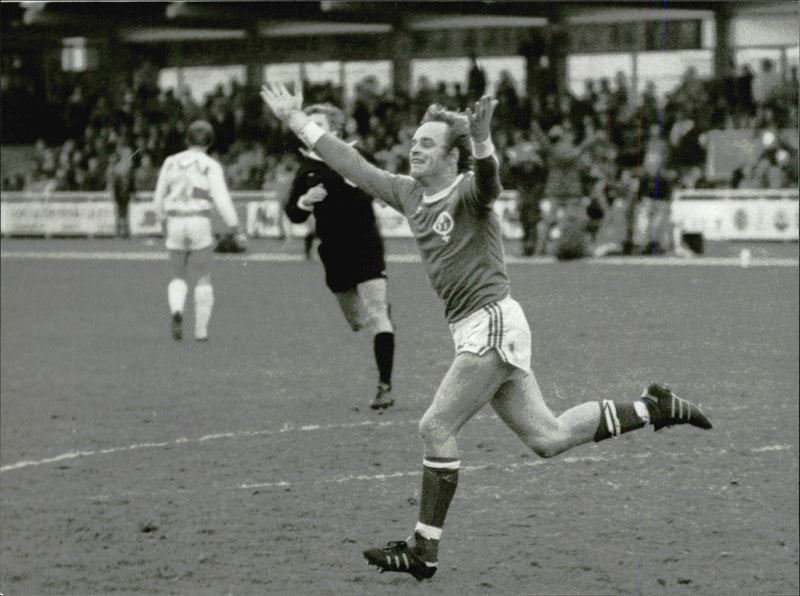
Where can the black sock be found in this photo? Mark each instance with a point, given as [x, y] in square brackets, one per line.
[439, 482]
[615, 419]
[384, 356]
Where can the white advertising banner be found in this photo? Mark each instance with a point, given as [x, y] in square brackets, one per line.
[94, 214]
[143, 219]
[60, 214]
[751, 214]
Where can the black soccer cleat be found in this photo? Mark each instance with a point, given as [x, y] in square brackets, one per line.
[667, 409]
[398, 556]
[177, 326]
[383, 398]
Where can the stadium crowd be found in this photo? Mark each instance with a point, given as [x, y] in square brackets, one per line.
[118, 141]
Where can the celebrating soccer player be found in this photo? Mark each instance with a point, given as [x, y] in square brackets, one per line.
[190, 185]
[351, 248]
[448, 206]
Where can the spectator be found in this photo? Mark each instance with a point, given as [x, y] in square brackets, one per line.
[764, 82]
[120, 183]
[476, 79]
[145, 175]
[526, 174]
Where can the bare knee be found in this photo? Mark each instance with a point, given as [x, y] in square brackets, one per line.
[545, 445]
[545, 450]
[433, 432]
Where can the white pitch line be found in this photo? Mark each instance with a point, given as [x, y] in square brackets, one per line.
[211, 437]
[267, 257]
[473, 468]
[602, 458]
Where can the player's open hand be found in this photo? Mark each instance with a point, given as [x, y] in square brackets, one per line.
[280, 100]
[480, 118]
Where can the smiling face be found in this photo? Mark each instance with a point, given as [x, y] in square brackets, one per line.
[431, 160]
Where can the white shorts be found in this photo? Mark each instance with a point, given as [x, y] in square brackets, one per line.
[500, 326]
[189, 232]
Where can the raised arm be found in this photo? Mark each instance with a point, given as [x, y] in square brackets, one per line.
[487, 176]
[340, 156]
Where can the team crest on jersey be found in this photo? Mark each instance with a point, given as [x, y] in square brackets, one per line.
[444, 225]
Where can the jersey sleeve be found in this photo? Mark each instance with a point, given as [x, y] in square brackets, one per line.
[349, 163]
[484, 186]
[291, 193]
[220, 195]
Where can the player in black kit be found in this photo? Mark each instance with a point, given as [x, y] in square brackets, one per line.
[351, 247]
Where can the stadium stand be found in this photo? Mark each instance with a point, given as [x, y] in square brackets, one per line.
[677, 140]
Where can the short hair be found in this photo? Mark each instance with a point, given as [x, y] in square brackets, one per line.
[200, 133]
[457, 133]
[334, 115]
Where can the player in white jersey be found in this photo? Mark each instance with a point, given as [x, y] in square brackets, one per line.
[448, 207]
[191, 184]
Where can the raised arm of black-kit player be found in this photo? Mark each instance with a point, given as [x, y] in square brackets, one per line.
[340, 156]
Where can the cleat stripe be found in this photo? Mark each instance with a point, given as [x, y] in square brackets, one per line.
[405, 559]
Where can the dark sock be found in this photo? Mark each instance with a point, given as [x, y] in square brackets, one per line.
[439, 482]
[384, 356]
[426, 549]
[615, 419]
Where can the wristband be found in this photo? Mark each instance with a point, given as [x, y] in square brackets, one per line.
[482, 149]
[308, 131]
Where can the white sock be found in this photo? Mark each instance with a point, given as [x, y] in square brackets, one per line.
[203, 304]
[176, 294]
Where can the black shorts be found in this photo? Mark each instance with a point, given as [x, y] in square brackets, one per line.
[345, 268]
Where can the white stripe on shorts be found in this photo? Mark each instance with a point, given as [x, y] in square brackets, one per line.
[500, 326]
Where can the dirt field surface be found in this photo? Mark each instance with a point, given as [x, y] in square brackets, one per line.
[252, 464]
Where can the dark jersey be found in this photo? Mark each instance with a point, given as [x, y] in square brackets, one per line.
[351, 248]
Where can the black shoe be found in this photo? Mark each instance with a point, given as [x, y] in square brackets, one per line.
[666, 409]
[177, 326]
[398, 556]
[383, 398]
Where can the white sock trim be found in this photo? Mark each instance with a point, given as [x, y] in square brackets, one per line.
[612, 421]
[442, 465]
[429, 532]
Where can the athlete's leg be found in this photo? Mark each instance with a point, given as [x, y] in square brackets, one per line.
[350, 305]
[520, 404]
[375, 310]
[203, 291]
[467, 386]
[177, 288]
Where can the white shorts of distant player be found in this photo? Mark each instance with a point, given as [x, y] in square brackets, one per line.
[189, 232]
[500, 326]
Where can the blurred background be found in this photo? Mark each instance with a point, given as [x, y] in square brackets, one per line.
[672, 96]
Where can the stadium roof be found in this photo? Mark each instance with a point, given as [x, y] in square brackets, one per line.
[326, 17]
